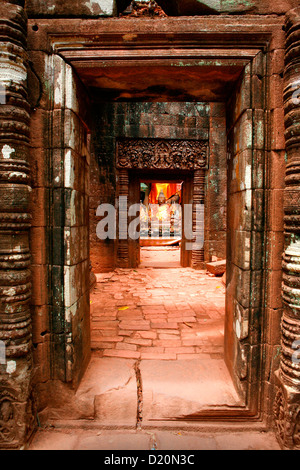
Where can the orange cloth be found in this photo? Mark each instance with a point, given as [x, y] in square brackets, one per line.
[169, 190]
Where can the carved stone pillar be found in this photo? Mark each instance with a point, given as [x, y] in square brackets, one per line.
[287, 402]
[198, 229]
[123, 249]
[16, 409]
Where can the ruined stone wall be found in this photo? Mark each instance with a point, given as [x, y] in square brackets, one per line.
[165, 121]
[98, 8]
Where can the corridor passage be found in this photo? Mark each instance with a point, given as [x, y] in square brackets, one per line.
[157, 340]
[156, 313]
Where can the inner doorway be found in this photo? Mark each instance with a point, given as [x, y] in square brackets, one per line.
[168, 326]
[160, 223]
[162, 162]
[168, 322]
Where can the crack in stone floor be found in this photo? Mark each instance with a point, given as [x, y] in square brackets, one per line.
[157, 338]
[139, 386]
[170, 324]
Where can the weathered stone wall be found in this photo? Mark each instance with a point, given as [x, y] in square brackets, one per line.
[59, 234]
[245, 225]
[102, 185]
[255, 221]
[216, 185]
[97, 8]
[40, 233]
[165, 121]
[77, 8]
[274, 221]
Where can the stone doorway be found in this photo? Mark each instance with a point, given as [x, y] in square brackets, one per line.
[183, 162]
[234, 121]
[147, 313]
[235, 61]
[161, 223]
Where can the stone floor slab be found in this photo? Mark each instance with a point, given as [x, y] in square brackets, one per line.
[181, 388]
[77, 439]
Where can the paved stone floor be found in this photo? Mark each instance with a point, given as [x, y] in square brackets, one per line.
[70, 439]
[157, 313]
[157, 338]
[157, 257]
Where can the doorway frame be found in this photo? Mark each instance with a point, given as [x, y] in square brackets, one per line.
[175, 175]
[128, 177]
[196, 38]
[165, 180]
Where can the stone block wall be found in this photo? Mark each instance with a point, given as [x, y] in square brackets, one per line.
[60, 222]
[59, 164]
[70, 223]
[245, 224]
[216, 185]
[68, 9]
[255, 221]
[102, 185]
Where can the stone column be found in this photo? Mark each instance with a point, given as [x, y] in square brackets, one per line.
[123, 248]
[198, 198]
[16, 404]
[287, 401]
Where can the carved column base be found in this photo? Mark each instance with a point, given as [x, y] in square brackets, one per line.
[198, 259]
[17, 405]
[287, 413]
[123, 254]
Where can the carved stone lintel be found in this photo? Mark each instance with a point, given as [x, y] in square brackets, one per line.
[161, 155]
[166, 154]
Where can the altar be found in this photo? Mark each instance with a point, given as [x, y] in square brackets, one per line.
[161, 214]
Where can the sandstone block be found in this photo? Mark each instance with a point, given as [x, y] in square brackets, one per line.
[218, 268]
